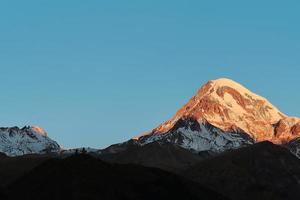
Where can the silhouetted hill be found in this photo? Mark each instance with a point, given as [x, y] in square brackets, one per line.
[165, 156]
[85, 177]
[262, 171]
[12, 168]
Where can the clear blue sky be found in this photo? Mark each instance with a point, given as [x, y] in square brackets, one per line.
[93, 73]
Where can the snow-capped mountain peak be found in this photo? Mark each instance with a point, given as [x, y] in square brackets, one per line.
[228, 109]
[239, 99]
[15, 141]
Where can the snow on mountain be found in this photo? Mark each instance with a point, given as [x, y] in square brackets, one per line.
[294, 146]
[27, 140]
[192, 135]
[224, 115]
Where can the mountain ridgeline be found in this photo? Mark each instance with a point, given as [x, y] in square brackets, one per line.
[223, 115]
[226, 142]
[17, 141]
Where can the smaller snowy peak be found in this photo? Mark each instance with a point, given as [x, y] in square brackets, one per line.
[15, 141]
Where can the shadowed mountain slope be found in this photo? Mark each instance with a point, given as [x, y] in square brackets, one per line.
[85, 177]
[160, 155]
[262, 171]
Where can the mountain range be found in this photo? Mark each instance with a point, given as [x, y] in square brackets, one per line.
[223, 115]
[226, 142]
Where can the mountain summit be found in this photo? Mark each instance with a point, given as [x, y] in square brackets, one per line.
[15, 141]
[225, 115]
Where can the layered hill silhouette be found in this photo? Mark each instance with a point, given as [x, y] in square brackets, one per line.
[164, 156]
[261, 171]
[86, 177]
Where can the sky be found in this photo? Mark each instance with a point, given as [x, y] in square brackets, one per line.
[95, 73]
